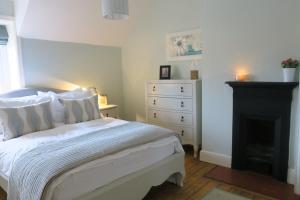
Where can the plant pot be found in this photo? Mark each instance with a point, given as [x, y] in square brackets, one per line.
[289, 74]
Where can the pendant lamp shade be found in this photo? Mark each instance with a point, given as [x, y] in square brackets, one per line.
[115, 9]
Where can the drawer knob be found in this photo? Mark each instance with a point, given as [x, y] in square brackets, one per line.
[182, 104]
[154, 88]
[182, 132]
[154, 102]
[182, 119]
[154, 115]
[181, 89]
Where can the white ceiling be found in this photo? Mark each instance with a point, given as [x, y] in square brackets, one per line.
[73, 21]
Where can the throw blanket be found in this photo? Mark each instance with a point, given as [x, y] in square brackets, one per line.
[36, 169]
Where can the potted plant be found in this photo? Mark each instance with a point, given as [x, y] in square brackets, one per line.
[289, 68]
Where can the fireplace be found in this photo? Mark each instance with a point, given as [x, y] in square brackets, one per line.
[261, 127]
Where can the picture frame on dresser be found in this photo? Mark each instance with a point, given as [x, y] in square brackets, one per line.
[165, 72]
[176, 105]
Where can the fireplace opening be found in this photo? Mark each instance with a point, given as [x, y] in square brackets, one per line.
[259, 148]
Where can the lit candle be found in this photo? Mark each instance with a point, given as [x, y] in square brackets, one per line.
[241, 77]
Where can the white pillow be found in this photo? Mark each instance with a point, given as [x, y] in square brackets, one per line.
[76, 94]
[57, 108]
[22, 101]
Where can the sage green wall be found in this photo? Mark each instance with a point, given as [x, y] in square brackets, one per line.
[67, 65]
[255, 35]
[6, 8]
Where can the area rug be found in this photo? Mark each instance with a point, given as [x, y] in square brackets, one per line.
[217, 194]
[254, 182]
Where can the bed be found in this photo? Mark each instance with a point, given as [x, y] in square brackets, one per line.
[124, 174]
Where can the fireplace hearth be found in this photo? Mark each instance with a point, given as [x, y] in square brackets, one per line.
[261, 127]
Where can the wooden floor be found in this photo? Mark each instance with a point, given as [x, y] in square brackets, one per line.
[196, 186]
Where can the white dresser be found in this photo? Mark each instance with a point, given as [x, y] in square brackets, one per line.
[176, 104]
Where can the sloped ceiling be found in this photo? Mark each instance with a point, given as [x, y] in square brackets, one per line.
[73, 21]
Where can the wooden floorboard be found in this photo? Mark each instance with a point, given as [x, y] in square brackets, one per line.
[196, 186]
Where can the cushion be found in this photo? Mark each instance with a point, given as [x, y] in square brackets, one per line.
[19, 121]
[57, 108]
[20, 101]
[81, 110]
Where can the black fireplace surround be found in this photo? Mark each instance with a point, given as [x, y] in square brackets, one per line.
[261, 127]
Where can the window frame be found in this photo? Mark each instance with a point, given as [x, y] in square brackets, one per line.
[12, 31]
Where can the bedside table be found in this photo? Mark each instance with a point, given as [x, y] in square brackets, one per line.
[109, 110]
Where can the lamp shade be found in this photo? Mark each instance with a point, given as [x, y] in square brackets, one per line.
[115, 9]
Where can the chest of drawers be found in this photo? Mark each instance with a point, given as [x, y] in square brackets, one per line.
[176, 104]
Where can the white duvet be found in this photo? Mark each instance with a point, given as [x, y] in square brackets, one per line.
[106, 169]
[11, 150]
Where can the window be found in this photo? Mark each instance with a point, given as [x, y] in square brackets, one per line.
[10, 71]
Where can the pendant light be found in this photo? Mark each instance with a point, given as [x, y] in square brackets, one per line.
[115, 9]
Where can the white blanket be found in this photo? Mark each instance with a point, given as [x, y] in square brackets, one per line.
[13, 149]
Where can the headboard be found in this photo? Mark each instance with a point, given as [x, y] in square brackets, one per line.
[28, 92]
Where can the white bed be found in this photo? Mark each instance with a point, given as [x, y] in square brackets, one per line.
[128, 174]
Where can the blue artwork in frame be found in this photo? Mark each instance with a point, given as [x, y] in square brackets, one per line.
[184, 45]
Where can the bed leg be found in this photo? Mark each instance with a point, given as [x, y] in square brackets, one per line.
[179, 178]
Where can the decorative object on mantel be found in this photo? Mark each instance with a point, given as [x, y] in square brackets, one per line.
[289, 68]
[165, 72]
[242, 73]
[184, 45]
[241, 77]
[115, 9]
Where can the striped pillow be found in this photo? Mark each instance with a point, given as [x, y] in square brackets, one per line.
[27, 119]
[81, 110]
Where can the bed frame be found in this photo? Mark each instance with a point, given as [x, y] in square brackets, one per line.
[131, 187]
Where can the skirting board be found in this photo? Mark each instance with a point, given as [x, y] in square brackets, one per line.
[215, 158]
[291, 176]
[225, 161]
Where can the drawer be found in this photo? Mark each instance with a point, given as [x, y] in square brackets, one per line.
[165, 117]
[171, 103]
[114, 113]
[168, 89]
[186, 134]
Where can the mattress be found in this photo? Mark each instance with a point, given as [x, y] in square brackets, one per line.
[92, 175]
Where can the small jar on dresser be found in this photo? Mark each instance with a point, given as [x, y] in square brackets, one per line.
[176, 104]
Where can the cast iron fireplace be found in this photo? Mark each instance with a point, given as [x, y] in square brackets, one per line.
[261, 127]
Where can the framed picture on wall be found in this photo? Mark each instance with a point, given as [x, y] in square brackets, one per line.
[165, 72]
[184, 45]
